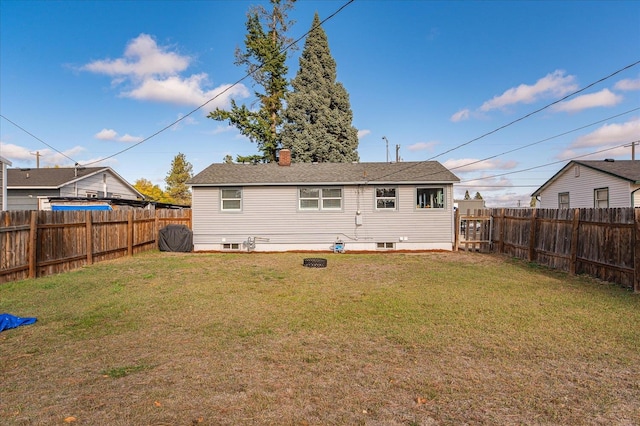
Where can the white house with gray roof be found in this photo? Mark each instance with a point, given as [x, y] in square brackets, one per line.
[30, 189]
[288, 206]
[592, 184]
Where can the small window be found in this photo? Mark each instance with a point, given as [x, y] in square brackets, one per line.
[601, 198]
[92, 194]
[430, 198]
[576, 170]
[385, 246]
[320, 198]
[386, 198]
[231, 246]
[563, 200]
[231, 199]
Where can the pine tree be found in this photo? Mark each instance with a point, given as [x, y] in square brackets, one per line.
[264, 59]
[466, 195]
[477, 196]
[180, 173]
[318, 118]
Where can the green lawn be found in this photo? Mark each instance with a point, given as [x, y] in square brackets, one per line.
[377, 339]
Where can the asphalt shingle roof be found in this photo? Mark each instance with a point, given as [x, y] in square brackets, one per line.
[624, 169]
[323, 173]
[47, 177]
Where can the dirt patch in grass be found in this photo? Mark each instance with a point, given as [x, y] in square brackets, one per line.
[394, 339]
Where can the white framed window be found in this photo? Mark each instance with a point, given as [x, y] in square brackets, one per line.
[92, 194]
[430, 198]
[231, 199]
[563, 200]
[320, 198]
[386, 198]
[231, 246]
[601, 198]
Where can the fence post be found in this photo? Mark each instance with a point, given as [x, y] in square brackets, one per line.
[636, 252]
[456, 229]
[502, 225]
[574, 241]
[130, 233]
[532, 236]
[33, 244]
[157, 227]
[89, 231]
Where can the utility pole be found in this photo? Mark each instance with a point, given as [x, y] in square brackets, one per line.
[387, 141]
[397, 153]
[37, 154]
[633, 149]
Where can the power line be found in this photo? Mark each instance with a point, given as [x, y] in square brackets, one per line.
[550, 164]
[38, 139]
[536, 143]
[515, 121]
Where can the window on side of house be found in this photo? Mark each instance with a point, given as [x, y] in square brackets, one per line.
[386, 198]
[385, 246]
[601, 198]
[320, 198]
[563, 200]
[231, 199]
[430, 198]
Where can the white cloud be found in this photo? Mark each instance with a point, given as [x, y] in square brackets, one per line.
[465, 165]
[142, 57]
[15, 153]
[603, 98]
[461, 115]
[628, 84]
[153, 73]
[422, 146]
[552, 85]
[610, 134]
[106, 135]
[112, 135]
[362, 133]
[128, 138]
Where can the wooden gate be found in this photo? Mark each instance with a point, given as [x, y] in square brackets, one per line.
[473, 230]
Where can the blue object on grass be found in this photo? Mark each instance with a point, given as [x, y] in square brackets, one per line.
[8, 321]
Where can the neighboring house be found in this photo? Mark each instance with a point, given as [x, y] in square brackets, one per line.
[592, 184]
[312, 206]
[4, 164]
[30, 189]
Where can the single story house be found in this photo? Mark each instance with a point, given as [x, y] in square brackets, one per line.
[592, 184]
[288, 206]
[4, 164]
[30, 189]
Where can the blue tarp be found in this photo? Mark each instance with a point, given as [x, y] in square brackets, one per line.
[63, 207]
[8, 321]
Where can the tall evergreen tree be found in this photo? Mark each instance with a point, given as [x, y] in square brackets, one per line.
[180, 173]
[318, 118]
[264, 59]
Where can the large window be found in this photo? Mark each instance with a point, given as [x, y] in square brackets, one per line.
[320, 198]
[601, 198]
[386, 198]
[563, 200]
[231, 199]
[430, 198]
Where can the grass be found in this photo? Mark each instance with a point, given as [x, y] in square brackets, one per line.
[393, 339]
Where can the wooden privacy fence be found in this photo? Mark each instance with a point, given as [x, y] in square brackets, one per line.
[603, 243]
[39, 243]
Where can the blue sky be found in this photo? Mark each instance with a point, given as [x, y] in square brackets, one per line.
[93, 78]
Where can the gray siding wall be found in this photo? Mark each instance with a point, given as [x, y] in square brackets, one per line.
[272, 215]
[27, 199]
[581, 187]
[114, 187]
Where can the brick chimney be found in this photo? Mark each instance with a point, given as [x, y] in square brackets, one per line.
[285, 157]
